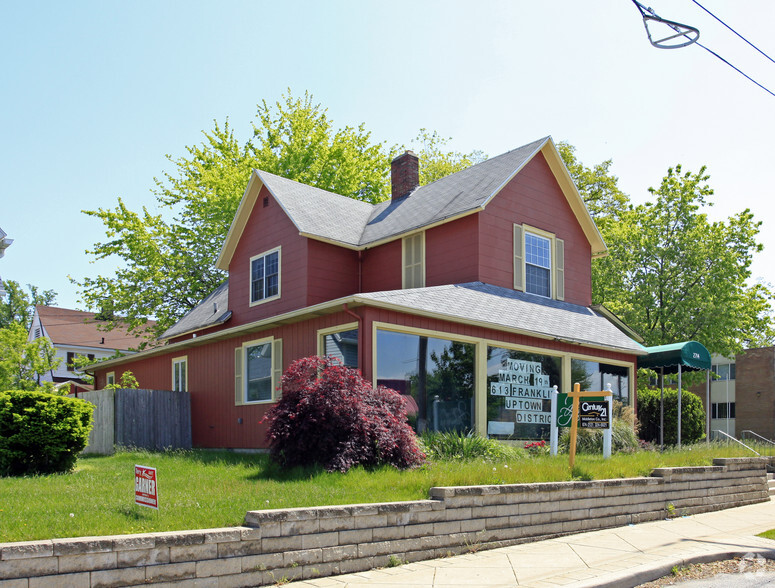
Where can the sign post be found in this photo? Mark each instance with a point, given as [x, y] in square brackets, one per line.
[146, 489]
[597, 415]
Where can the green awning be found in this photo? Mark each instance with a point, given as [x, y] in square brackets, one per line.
[690, 355]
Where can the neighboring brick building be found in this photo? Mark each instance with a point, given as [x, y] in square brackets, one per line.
[742, 396]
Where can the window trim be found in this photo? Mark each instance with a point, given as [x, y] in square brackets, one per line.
[182, 359]
[421, 263]
[323, 333]
[252, 302]
[110, 378]
[557, 261]
[241, 368]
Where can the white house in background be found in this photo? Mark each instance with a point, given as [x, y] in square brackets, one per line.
[73, 333]
[5, 242]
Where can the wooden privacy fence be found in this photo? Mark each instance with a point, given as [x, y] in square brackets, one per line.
[147, 419]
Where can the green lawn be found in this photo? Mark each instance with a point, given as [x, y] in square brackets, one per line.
[206, 489]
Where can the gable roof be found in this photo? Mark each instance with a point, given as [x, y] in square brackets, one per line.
[80, 329]
[350, 223]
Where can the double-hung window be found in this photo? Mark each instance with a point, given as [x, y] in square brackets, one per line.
[257, 370]
[180, 374]
[539, 262]
[265, 276]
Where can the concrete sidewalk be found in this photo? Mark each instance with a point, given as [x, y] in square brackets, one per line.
[624, 556]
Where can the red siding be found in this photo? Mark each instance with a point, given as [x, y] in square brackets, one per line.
[533, 197]
[452, 252]
[332, 272]
[382, 267]
[266, 229]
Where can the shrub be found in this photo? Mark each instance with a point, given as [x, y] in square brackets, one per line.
[41, 433]
[329, 415]
[692, 416]
[451, 445]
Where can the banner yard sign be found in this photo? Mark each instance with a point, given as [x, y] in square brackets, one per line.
[146, 489]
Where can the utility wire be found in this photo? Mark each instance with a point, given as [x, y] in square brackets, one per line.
[735, 68]
[734, 31]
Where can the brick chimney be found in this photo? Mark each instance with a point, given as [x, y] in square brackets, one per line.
[404, 174]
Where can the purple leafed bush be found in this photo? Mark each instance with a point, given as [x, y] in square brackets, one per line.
[329, 415]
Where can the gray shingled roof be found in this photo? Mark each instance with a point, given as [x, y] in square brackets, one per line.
[212, 311]
[351, 222]
[501, 307]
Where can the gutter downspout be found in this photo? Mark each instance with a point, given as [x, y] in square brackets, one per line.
[359, 318]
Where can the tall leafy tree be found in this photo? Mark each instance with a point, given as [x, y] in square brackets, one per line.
[18, 306]
[167, 259]
[674, 275]
[23, 364]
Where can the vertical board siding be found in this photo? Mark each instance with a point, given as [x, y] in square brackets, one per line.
[102, 435]
[268, 228]
[452, 252]
[153, 419]
[534, 197]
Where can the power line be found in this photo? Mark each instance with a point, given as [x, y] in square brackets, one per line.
[734, 31]
[735, 68]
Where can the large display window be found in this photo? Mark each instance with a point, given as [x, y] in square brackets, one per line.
[593, 375]
[436, 377]
[519, 392]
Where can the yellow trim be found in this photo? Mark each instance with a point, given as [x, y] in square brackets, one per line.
[404, 266]
[176, 360]
[240, 220]
[321, 348]
[576, 202]
[480, 363]
[252, 302]
[273, 371]
[552, 238]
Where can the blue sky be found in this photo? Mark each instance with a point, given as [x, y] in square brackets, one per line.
[95, 94]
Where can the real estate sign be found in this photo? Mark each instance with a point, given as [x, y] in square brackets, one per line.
[146, 489]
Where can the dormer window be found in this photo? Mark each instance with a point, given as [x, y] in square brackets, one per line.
[265, 277]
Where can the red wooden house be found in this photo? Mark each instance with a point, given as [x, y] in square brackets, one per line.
[470, 295]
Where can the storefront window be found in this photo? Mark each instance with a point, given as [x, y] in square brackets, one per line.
[519, 388]
[436, 376]
[592, 375]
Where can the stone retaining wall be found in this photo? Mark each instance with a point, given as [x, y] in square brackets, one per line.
[277, 545]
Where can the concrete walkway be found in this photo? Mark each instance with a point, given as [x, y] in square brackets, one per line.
[624, 556]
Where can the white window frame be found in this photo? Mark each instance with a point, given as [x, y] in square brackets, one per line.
[241, 371]
[180, 365]
[323, 333]
[110, 378]
[557, 261]
[409, 245]
[253, 302]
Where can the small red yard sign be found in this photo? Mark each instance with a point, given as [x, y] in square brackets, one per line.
[146, 491]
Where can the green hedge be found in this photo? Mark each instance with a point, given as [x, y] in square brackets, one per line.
[692, 416]
[41, 433]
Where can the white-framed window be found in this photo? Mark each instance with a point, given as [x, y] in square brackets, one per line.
[413, 256]
[257, 371]
[265, 276]
[539, 262]
[110, 379]
[180, 374]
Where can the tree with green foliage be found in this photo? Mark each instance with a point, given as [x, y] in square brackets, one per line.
[167, 264]
[23, 364]
[18, 306]
[672, 274]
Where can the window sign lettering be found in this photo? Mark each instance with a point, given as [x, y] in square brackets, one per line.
[520, 387]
